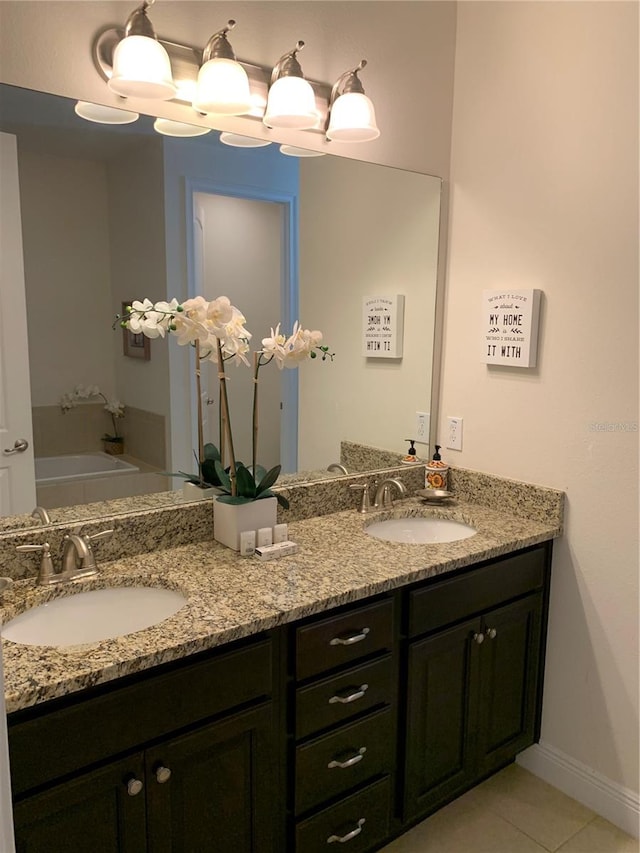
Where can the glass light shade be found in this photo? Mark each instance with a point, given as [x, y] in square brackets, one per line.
[237, 140]
[291, 103]
[104, 115]
[352, 119]
[167, 127]
[223, 88]
[142, 69]
[294, 151]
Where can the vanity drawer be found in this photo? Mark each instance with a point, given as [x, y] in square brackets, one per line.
[338, 640]
[340, 697]
[331, 765]
[449, 601]
[360, 821]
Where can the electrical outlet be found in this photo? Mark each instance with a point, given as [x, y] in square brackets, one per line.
[422, 427]
[454, 437]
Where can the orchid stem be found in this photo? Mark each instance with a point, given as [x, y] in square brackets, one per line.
[199, 404]
[224, 408]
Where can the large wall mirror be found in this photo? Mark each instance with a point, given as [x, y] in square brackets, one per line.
[114, 213]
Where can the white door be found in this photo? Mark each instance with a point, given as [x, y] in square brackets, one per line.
[238, 247]
[17, 477]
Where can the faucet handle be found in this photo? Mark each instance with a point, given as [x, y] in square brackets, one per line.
[91, 537]
[46, 573]
[365, 503]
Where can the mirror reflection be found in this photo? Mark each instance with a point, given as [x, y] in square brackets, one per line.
[115, 213]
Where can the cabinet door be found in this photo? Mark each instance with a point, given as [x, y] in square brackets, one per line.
[215, 789]
[509, 667]
[97, 812]
[442, 687]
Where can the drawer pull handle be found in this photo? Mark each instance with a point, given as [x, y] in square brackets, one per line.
[348, 762]
[344, 698]
[342, 839]
[350, 639]
[492, 633]
[134, 786]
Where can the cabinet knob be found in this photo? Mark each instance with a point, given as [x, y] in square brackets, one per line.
[341, 839]
[134, 786]
[163, 774]
[492, 633]
[478, 638]
[350, 639]
[355, 758]
[350, 694]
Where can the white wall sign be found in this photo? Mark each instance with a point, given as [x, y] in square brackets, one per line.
[382, 326]
[510, 327]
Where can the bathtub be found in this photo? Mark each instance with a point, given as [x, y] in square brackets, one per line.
[82, 466]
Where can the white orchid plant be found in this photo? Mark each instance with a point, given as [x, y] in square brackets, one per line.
[87, 392]
[216, 329]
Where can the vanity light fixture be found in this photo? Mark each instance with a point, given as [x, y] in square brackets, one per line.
[237, 140]
[294, 151]
[141, 65]
[167, 127]
[223, 84]
[291, 102]
[104, 115]
[352, 117]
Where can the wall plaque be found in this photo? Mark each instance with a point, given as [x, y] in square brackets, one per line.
[382, 326]
[510, 327]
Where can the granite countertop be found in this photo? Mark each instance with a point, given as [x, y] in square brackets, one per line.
[230, 597]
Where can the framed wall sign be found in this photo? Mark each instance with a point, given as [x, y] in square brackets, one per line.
[510, 327]
[382, 326]
[134, 346]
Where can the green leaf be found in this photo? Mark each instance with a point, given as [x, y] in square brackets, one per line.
[269, 479]
[284, 503]
[233, 499]
[211, 452]
[209, 474]
[245, 484]
[225, 481]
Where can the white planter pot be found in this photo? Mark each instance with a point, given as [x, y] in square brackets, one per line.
[191, 492]
[230, 520]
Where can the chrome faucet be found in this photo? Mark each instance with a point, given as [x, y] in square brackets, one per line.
[78, 559]
[336, 466]
[383, 492]
[383, 499]
[42, 515]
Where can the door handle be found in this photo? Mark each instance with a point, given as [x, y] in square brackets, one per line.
[19, 447]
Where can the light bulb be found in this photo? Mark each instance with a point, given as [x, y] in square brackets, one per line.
[223, 88]
[352, 119]
[142, 69]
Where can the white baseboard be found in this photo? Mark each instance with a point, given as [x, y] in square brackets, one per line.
[615, 803]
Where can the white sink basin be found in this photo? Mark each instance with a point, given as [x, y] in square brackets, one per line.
[420, 530]
[100, 614]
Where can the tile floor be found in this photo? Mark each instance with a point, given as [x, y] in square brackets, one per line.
[514, 812]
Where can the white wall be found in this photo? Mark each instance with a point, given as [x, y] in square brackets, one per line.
[409, 47]
[351, 247]
[67, 274]
[545, 194]
[136, 228]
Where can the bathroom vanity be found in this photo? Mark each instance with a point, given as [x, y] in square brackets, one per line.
[332, 697]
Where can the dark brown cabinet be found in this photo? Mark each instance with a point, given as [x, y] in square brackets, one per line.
[213, 786]
[341, 729]
[473, 687]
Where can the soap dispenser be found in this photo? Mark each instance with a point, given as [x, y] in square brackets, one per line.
[412, 457]
[436, 472]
